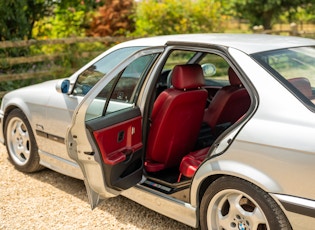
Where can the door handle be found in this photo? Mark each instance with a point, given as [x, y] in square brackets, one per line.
[120, 136]
[128, 151]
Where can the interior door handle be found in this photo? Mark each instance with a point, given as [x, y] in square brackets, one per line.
[128, 151]
[120, 136]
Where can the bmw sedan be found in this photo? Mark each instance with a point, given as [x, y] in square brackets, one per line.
[213, 130]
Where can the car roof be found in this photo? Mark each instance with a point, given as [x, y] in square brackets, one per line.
[248, 43]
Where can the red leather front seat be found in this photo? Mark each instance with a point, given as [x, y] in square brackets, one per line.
[229, 104]
[176, 118]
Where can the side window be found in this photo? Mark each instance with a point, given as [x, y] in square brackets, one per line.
[88, 78]
[215, 67]
[296, 65]
[121, 90]
[215, 70]
[178, 57]
[126, 86]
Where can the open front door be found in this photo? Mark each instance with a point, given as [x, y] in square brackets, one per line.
[118, 140]
[105, 137]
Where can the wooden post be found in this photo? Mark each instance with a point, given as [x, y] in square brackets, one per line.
[294, 29]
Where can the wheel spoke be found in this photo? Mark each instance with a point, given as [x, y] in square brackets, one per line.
[19, 128]
[234, 201]
[22, 138]
[256, 218]
[14, 130]
[25, 140]
[226, 221]
[19, 141]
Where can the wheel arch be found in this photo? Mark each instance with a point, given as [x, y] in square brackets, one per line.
[209, 172]
[9, 108]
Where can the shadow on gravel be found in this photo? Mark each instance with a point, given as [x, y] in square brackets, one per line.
[123, 209]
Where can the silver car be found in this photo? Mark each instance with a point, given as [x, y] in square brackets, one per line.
[213, 130]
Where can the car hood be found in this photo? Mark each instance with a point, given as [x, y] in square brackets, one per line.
[35, 94]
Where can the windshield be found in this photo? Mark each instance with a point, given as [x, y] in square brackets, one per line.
[296, 66]
[89, 77]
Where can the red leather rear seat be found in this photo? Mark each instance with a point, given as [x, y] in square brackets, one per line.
[229, 105]
[191, 162]
[304, 85]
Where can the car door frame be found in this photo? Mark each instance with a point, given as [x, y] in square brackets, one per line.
[81, 145]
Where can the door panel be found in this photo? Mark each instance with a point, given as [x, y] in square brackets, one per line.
[119, 140]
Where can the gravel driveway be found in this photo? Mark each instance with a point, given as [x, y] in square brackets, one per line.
[49, 200]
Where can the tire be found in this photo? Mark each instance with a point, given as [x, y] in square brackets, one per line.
[231, 203]
[20, 142]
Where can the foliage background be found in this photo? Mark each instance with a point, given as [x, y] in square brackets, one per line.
[54, 19]
[43, 19]
[178, 16]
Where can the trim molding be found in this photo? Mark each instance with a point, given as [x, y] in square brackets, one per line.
[50, 136]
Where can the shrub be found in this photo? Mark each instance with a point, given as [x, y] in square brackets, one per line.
[112, 19]
[178, 16]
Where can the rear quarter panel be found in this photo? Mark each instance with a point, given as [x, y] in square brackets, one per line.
[275, 148]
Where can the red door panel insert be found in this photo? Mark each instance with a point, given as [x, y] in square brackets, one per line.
[118, 141]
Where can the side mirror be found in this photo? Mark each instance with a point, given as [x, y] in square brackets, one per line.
[208, 69]
[63, 86]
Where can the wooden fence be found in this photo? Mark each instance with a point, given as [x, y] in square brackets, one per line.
[9, 64]
[292, 29]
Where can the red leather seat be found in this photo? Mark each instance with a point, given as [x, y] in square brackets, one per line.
[191, 162]
[303, 85]
[176, 118]
[229, 104]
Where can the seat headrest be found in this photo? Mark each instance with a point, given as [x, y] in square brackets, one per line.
[302, 84]
[233, 78]
[188, 76]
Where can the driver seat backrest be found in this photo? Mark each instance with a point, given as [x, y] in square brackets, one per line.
[229, 103]
[176, 118]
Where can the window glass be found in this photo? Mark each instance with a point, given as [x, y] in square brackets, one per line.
[217, 75]
[125, 88]
[122, 89]
[214, 66]
[297, 65]
[88, 78]
[178, 57]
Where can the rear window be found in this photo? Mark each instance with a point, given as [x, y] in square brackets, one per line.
[295, 66]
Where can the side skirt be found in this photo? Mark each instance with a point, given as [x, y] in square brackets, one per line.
[163, 204]
[60, 165]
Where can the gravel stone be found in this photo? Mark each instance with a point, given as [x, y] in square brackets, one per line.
[49, 200]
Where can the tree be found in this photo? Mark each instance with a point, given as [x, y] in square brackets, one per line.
[112, 19]
[266, 12]
[178, 16]
[68, 18]
[18, 17]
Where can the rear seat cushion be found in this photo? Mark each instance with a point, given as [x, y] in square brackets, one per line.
[191, 162]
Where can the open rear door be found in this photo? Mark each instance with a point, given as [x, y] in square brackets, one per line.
[105, 137]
